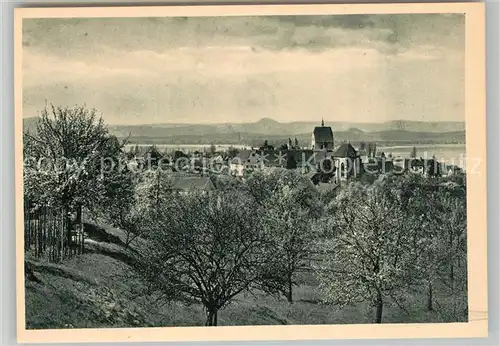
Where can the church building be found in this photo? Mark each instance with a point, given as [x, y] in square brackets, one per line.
[322, 137]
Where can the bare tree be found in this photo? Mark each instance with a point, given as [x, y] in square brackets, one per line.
[205, 249]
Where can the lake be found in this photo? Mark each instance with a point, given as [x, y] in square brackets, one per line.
[451, 154]
[190, 147]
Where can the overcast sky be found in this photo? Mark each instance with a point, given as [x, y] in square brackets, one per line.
[358, 68]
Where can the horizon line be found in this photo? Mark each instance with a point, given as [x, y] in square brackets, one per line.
[273, 120]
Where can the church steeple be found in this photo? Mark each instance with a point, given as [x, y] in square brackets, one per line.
[322, 137]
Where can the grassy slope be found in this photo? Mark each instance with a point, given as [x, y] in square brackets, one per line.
[91, 291]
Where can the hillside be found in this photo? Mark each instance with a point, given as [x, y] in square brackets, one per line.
[393, 132]
[96, 290]
[270, 127]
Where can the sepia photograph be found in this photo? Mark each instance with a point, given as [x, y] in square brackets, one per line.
[282, 168]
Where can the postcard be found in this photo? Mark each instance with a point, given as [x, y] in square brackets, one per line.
[250, 172]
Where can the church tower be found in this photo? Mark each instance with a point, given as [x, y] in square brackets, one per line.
[322, 137]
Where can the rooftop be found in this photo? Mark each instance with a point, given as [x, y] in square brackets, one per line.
[193, 183]
[345, 150]
[323, 134]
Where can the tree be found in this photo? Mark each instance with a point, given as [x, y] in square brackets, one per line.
[204, 249]
[452, 222]
[153, 157]
[232, 152]
[154, 191]
[135, 149]
[291, 163]
[125, 203]
[432, 166]
[440, 213]
[266, 146]
[290, 233]
[213, 148]
[179, 154]
[283, 147]
[65, 160]
[413, 153]
[180, 160]
[262, 184]
[287, 204]
[369, 254]
[119, 205]
[226, 182]
[66, 157]
[372, 149]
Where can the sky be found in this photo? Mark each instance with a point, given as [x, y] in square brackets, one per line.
[352, 68]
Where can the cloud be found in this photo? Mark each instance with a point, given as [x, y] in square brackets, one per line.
[80, 36]
[357, 68]
[43, 68]
[209, 61]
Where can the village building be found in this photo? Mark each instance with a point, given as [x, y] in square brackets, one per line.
[399, 164]
[217, 165]
[326, 187]
[336, 166]
[186, 184]
[322, 137]
[245, 161]
[327, 164]
[452, 170]
[347, 162]
[147, 158]
[153, 155]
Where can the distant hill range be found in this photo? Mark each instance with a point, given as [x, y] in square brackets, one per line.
[391, 132]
